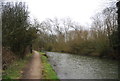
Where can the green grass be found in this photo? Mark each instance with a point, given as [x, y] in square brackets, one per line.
[14, 71]
[42, 53]
[48, 72]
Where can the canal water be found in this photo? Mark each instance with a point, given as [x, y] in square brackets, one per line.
[69, 66]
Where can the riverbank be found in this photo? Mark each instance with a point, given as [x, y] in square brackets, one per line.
[48, 72]
[90, 55]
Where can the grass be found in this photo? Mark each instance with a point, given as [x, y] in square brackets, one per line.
[48, 72]
[15, 69]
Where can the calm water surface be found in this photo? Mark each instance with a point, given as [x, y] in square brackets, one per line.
[68, 66]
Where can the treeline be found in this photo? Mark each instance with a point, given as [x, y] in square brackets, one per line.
[65, 35]
[17, 31]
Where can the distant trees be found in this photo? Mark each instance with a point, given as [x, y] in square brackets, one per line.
[16, 29]
[65, 35]
[105, 24]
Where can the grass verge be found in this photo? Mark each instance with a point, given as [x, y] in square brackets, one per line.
[14, 71]
[48, 72]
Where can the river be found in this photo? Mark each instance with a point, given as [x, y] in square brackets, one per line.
[69, 66]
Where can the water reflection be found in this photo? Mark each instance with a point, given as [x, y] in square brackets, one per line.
[70, 66]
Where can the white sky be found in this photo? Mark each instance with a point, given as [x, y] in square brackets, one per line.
[78, 10]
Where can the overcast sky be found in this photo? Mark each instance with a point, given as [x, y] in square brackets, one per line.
[78, 10]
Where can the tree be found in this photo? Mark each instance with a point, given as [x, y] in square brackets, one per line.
[16, 31]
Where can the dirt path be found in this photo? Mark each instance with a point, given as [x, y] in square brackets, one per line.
[33, 69]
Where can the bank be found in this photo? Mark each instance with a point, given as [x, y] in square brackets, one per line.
[48, 72]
